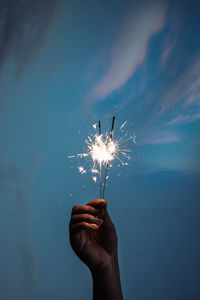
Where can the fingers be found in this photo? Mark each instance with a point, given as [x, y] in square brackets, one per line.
[85, 218]
[98, 203]
[102, 204]
[88, 216]
[83, 226]
[86, 209]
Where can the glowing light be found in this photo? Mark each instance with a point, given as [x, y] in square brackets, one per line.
[94, 125]
[94, 178]
[82, 155]
[94, 171]
[102, 149]
[81, 170]
[123, 125]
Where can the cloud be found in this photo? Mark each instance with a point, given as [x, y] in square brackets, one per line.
[25, 26]
[159, 137]
[184, 119]
[130, 50]
[181, 101]
[166, 90]
[185, 89]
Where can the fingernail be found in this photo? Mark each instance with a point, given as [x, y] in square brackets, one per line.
[94, 226]
[101, 221]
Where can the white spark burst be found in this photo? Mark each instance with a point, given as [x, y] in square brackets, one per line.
[102, 149]
[94, 178]
[94, 126]
[82, 170]
[94, 171]
[123, 125]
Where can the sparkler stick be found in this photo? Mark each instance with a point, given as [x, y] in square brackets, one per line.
[100, 161]
[111, 136]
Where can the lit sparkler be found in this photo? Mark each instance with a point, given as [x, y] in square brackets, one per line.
[102, 149]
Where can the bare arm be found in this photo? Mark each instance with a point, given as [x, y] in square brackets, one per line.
[106, 283]
[93, 238]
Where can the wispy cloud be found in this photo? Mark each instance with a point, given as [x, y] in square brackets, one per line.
[184, 90]
[170, 80]
[181, 102]
[159, 137]
[184, 119]
[130, 50]
[25, 27]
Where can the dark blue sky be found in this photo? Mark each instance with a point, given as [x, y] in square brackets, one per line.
[63, 66]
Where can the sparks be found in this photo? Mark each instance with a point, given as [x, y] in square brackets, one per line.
[123, 125]
[82, 155]
[94, 178]
[94, 125]
[102, 149]
[81, 170]
[94, 171]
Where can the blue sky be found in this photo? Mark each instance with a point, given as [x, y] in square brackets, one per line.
[64, 65]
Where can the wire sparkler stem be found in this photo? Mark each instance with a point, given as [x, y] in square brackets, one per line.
[100, 162]
[111, 136]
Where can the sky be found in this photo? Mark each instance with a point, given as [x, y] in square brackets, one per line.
[64, 65]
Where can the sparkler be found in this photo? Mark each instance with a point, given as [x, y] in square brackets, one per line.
[102, 149]
[100, 161]
[111, 135]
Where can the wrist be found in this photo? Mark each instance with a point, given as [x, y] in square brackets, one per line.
[106, 281]
[110, 266]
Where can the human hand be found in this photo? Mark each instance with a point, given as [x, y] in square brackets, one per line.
[92, 234]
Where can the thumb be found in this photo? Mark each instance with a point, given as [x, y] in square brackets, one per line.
[98, 203]
[107, 222]
[101, 204]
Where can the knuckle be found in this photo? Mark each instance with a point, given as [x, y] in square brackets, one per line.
[73, 217]
[75, 207]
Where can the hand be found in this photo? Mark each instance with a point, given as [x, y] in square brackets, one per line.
[92, 234]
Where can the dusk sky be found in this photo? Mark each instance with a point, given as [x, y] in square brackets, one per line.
[64, 65]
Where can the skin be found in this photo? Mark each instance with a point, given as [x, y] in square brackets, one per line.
[94, 239]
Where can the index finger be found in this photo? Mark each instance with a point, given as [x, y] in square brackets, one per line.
[86, 209]
[98, 203]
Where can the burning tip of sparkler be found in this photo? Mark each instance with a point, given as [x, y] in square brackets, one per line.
[102, 149]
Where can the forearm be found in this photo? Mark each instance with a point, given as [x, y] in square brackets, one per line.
[106, 283]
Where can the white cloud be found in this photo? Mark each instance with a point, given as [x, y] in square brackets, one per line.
[131, 47]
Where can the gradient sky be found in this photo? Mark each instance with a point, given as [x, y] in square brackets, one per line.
[63, 66]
